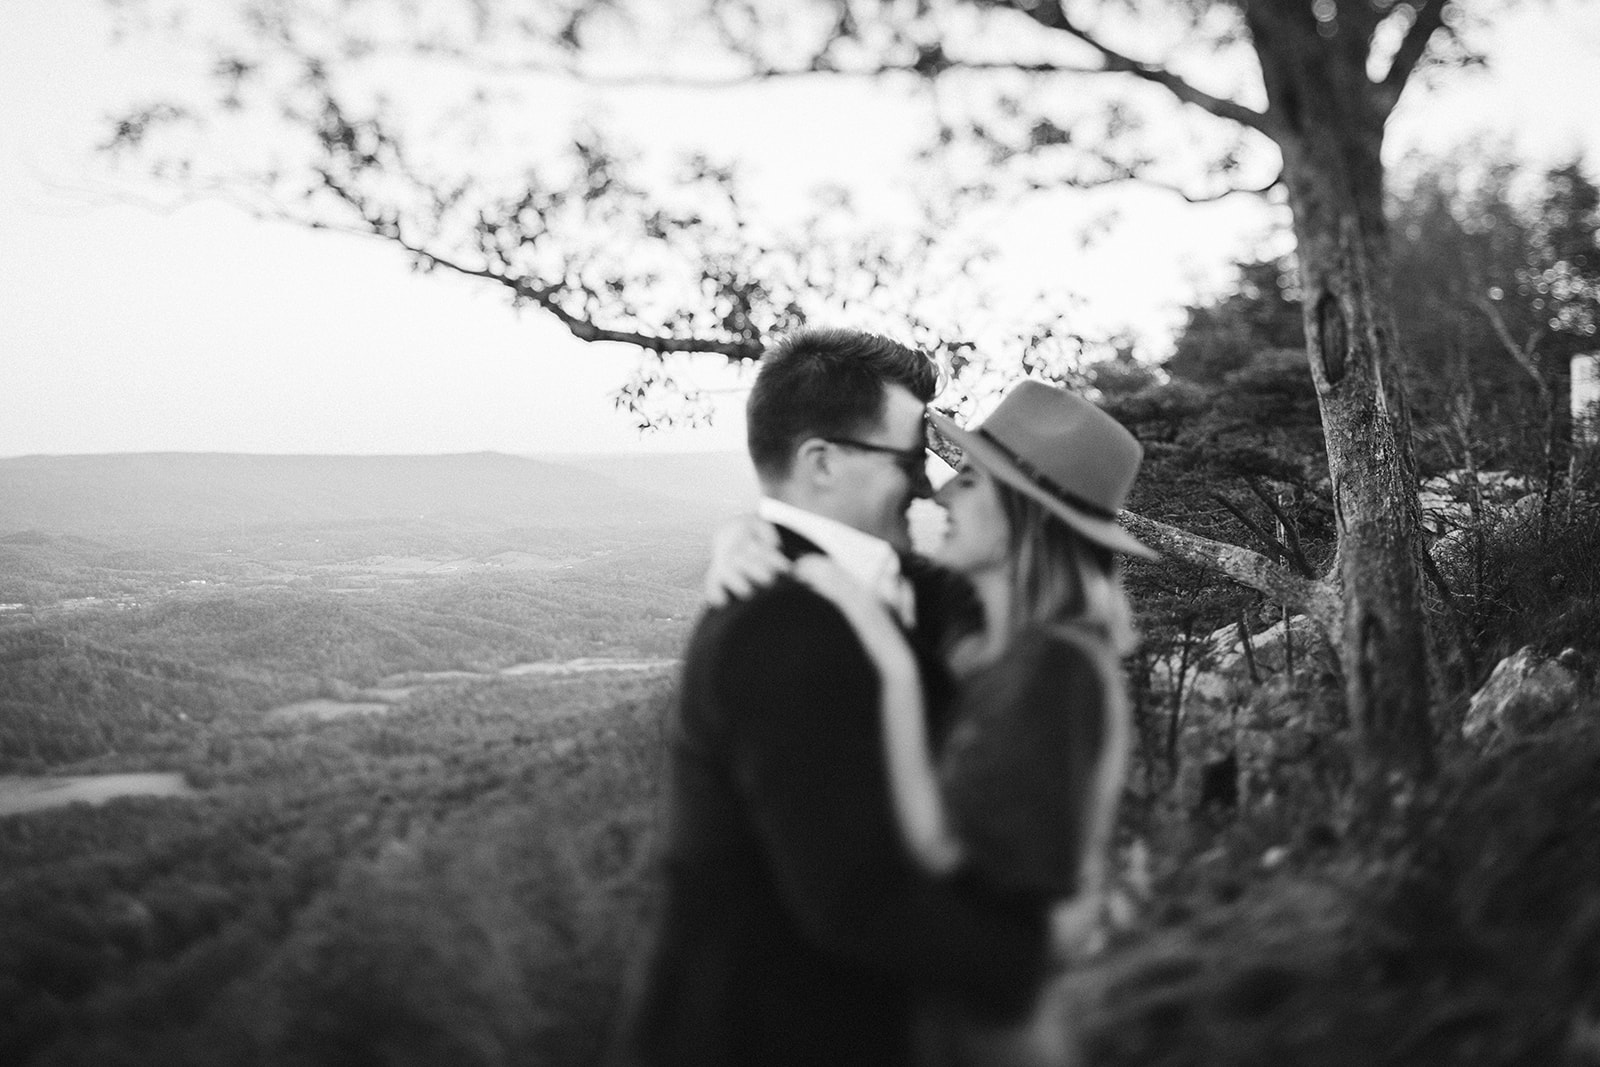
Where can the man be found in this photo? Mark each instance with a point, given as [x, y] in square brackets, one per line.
[794, 927]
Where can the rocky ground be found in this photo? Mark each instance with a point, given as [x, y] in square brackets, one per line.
[1457, 921]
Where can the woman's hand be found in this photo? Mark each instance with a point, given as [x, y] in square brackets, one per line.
[744, 557]
[1077, 928]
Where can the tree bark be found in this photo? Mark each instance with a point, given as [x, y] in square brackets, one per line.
[1328, 121]
[1558, 432]
[1318, 599]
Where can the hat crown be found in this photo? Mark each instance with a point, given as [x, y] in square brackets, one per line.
[1066, 444]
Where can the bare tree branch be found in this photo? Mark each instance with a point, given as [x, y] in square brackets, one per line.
[1124, 174]
[931, 63]
[545, 297]
[1522, 354]
[1312, 597]
[1051, 16]
[1275, 548]
[1430, 17]
[582, 328]
[1298, 555]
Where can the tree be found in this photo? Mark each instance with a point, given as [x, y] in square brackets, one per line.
[1498, 288]
[1262, 313]
[1234, 457]
[1279, 95]
[1474, 263]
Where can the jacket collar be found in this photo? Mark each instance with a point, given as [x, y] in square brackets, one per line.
[870, 560]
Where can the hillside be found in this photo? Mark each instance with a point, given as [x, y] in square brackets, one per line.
[720, 481]
[333, 653]
[102, 495]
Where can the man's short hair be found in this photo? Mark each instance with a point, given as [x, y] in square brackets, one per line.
[826, 383]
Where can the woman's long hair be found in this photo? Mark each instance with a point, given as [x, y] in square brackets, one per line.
[1060, 577]
[1064, 581]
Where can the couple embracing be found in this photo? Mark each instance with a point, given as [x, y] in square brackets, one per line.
[892, 780]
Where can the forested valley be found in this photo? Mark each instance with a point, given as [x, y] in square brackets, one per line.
[418, 759]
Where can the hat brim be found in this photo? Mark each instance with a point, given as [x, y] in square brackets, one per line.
[1104, 532]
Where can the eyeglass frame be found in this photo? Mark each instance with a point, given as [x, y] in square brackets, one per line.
[913, 462]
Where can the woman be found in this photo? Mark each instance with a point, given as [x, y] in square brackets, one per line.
[1025, 787]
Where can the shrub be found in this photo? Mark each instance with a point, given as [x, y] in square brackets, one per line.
[1525, 577]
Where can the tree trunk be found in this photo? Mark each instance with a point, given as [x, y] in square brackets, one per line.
[1175, 714]
[1558, 431]
[1249, 649]
[1329, 126]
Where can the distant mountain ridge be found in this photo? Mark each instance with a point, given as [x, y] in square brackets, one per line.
[721, 481]
[94, 495]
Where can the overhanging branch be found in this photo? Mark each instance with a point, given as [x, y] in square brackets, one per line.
[544, 297]
[1121, 175]
[930, 63]
[582, 328]
[1051, 16]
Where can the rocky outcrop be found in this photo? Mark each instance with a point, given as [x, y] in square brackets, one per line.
[1227, 665]
[1255, 717]
[1525, 694]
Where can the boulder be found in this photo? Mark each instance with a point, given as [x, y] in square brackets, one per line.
[1225, 670]
[1445, 500]
[1525, 693]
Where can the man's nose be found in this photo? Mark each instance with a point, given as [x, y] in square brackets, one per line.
[936, 474]
[921, 484]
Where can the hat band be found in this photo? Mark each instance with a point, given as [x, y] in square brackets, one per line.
[1044, 481]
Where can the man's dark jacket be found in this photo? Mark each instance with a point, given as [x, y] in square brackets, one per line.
[794, 928]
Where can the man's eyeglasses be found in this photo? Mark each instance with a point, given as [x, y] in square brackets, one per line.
[912, 461]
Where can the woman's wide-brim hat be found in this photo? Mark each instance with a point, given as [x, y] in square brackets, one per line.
[1061, 450]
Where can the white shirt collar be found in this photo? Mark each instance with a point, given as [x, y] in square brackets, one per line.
[870, 560]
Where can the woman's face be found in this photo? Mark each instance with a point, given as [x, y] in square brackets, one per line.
[977, 537]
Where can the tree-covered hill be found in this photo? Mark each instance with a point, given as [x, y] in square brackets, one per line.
[719, 480]
[101, 494]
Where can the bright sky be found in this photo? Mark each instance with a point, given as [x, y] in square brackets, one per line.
[125, 327]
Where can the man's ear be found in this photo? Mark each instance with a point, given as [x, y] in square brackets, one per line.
[813, 461]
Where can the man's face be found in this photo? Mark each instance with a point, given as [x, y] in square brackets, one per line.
[874, 488]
